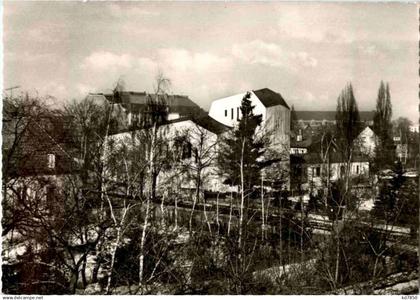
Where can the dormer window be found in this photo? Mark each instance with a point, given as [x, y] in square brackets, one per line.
[51, 161]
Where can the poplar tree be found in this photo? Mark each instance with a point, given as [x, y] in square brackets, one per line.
[293, 119]
[383, 128]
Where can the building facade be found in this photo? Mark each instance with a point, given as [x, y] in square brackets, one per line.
[270, 105]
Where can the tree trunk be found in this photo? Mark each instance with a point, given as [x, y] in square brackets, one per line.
[96, 269]
[162, 209]
[301, 230]
[192, 212]
[205, 216]
[83, 271]
[150, 196]
[217, 214]
[241, 214]
[337, 259]
[230, 213]
[142, 243]
[288, 245]
[262, 209]
[281, 234]
[73, 280]
[176, 212]
[111, 268]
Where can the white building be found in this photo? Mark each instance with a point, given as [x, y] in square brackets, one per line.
[367, 141]
[414, 128]
[187, 138]
[271, 105]
[317, 170]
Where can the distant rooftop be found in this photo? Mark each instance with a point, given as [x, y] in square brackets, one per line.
[136, 101]
[329, 115]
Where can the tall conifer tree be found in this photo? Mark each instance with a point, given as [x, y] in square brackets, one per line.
[243, 143]
[383, 128]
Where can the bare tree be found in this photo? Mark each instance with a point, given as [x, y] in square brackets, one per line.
[154, 116]
[199, 166]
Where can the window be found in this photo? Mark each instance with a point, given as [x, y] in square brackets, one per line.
[231, 112]
[51, 161]
[186, 150]
[342, 171]
[129, 118]
[318, 171]
[237, 113]
[357, 169]
[225, 112]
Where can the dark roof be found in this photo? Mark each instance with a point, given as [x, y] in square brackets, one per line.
[270, 98]
[329, 115]
[204, 121]
[210, 124]
[140, 98]
[300, 144]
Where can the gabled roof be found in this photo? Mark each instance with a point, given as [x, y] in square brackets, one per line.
[270, 98]
[136, 102]
[210, 124]
[300, 144]
[363, 128]
[202, 120]
[329, 115]
[140, 98]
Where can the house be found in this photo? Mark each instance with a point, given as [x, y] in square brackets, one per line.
[316, 167]
[300, 142]
[310, 165]
[367, 141]
[271, 105]
[414, 128]
[45, 146]
[129, 105]
[42, 158]
[185, 139]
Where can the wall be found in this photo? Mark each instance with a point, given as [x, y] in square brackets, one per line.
[278, 128]
[218, 107]
[356, 169]
[367, 141]
[193, 131]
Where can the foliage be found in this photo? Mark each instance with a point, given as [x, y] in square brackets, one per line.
[383, 128]
[293, 119]
[347, 122]
[242, 143]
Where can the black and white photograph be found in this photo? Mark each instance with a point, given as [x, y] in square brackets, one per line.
[210, 148]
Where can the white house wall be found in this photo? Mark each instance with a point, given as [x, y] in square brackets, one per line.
[356, 169]
[214, 182]
[218, 107]
[367, 140]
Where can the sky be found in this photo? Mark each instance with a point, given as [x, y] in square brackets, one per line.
[307, 52]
